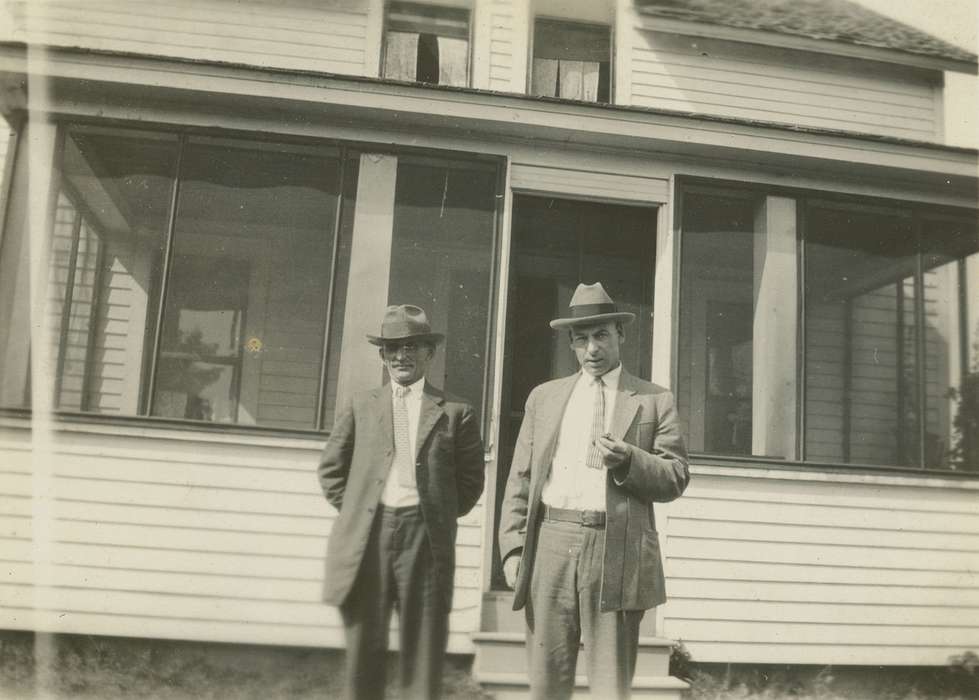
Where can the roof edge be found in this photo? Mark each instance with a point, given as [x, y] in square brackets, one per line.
[795, 41]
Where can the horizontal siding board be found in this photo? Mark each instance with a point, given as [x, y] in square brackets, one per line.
[593, 185]
[841, 652]
[826, 534]
[920, 617]
[895, 559]
[870, 593]
[737, 631]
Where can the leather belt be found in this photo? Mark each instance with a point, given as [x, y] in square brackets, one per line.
[585, 518]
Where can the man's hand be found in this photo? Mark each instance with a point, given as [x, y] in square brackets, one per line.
[510, 568]
[615, 453]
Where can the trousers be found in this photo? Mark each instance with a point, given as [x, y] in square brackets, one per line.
[563, 610]
[397, 573]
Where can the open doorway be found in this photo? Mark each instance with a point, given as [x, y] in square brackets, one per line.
[558, 243]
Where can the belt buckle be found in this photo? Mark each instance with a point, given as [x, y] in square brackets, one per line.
[589, 518]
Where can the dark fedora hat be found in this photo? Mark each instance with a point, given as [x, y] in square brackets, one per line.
[592, 304]
[402, 322]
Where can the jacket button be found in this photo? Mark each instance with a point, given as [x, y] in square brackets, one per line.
[370, 510]
[380, 481]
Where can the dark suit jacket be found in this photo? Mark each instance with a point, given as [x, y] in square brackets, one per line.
[632, 576]
[355, 462]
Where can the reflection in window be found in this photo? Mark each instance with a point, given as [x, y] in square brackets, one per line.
[716, 322]
[862, 383]
[571, 60]
[245, 296]
[427, 44]
[106, 251]
[442, 260]
[245, 312]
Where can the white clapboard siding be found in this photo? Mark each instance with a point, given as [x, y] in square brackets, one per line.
[821, 570]
[327, 36]
[227, 539]
[504, 44]
[706, 76]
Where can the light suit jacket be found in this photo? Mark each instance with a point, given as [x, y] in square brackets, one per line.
[449, 472]
[645, 418]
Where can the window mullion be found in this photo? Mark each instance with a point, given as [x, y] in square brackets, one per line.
[147, 402]
[921, 365]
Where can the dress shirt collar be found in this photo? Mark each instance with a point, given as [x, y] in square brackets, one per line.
[611, 378]
[415, 390]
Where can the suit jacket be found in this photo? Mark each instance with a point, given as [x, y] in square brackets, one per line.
[645, 418]
[449, 472]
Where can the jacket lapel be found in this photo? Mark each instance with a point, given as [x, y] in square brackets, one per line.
[626, 406]
[431, 411]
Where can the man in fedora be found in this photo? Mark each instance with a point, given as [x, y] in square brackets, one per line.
[402, 463]
[577, 533]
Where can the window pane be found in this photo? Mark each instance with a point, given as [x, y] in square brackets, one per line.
[427, 43]
[571, 60]
[106, 254]
[441, 260]
[951, 323]
[246, 307]
[715, 356]
[862, 382]
[15, 322]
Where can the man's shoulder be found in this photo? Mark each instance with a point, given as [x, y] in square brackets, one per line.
[642, 386]
[449, 400]
[553, 386]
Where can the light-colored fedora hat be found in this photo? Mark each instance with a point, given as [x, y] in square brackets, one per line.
[592, 304]
[403, 322]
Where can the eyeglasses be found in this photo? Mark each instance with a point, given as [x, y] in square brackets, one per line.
[408, 348]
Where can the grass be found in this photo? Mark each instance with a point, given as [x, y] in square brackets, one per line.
[88, 667]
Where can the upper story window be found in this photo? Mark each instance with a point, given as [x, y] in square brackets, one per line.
[854, 342]
[427, 44]
[571, 60]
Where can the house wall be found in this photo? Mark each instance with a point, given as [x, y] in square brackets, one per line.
[331, 37]
[795, 567]
[706, 76]
[179, 535]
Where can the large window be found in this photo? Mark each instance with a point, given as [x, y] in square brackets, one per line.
[426, 43]
[215, 280]
[865, 353]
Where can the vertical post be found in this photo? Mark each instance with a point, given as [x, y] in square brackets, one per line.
[623, 33]
[374, 38]
[523, 26]
[370, 271]
[665, 293]
[774, 390]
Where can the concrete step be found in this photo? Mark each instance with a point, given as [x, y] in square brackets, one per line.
[505, 652]
[513, 686]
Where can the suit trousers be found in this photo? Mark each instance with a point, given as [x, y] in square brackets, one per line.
[563, 609]
[397, 572]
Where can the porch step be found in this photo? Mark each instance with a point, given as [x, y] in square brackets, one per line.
[513, 686]
[505, 652]
[501, 668]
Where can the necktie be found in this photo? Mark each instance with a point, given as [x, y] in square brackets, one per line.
[403, 459]
[594, 458]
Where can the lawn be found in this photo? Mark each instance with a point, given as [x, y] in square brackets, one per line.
[90, 668]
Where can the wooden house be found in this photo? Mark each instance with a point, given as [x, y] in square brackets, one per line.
[206, 204]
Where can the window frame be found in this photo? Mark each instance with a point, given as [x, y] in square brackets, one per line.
[584, 23]
[345, 148]
[470, 35]
[918, 213]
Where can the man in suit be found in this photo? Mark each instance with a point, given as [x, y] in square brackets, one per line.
[402, 463]
[577, 533]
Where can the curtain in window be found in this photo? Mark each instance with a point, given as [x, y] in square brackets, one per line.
[453, 61]
[400, 55]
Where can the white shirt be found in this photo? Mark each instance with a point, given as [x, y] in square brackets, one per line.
[394, 494]
[571, 483]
